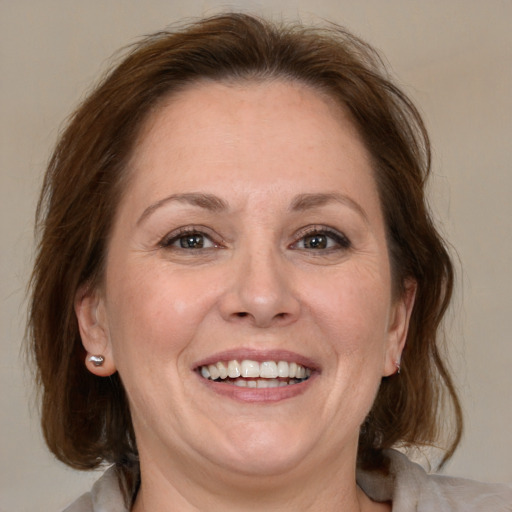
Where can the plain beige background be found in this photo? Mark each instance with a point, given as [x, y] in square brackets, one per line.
[453, 56]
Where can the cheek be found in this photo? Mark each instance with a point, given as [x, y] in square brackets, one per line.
[352, 308]
[354, 295]
[155, 311]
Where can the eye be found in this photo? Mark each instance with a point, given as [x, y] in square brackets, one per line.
[188, 239]
[318, 239]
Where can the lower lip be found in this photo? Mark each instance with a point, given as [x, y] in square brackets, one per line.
[258, 395]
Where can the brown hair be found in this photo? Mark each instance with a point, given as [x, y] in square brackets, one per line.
[86, 419]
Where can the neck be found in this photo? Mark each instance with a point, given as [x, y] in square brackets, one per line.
[187, 489]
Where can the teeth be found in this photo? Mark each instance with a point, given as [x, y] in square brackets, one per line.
[282, 369]
[262, 383]
[250, 369]
[223, 371]
[214, 372]
[253, 374]
[268, 370]
[233, 369]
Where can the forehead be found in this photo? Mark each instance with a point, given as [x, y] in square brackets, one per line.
[253, 133]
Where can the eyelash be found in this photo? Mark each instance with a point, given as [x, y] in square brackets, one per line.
[174, 237]
[341, 241]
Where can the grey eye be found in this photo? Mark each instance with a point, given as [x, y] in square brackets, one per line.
[188, 240]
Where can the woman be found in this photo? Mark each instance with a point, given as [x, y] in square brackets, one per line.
[238, 286]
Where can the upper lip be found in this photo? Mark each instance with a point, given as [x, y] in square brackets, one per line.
[258, 355]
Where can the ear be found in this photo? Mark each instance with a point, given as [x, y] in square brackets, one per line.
[92, 322]
[398, 327]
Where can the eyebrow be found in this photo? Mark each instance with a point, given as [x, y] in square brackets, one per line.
[309, 201]
[206, 201]
[214, 203]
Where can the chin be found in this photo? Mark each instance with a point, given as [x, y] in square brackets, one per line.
[262, 449]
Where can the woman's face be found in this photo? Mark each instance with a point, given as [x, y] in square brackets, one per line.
[250, 240]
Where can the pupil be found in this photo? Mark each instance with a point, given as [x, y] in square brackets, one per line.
[316, 242]
[192, 242]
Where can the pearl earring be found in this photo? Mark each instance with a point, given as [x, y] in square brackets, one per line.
[97, 360]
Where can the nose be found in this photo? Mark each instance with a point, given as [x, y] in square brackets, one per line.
[261, 291]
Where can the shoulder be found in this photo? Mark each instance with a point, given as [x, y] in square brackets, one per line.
[411, 488]
[469, 495]
[105, 496]
[82, 504]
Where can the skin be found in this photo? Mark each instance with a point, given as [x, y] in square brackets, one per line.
[256, 286]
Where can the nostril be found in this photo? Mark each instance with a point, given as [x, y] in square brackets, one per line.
[241, 314]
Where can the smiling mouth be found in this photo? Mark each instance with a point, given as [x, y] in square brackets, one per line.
[252, 374]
